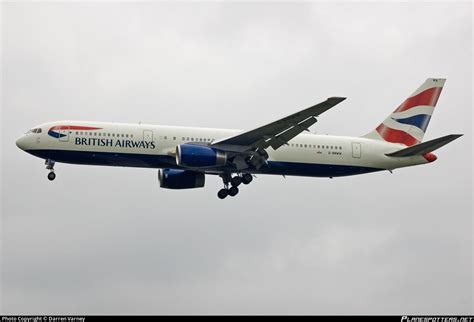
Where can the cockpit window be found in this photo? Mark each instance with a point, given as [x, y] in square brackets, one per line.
[36, 131]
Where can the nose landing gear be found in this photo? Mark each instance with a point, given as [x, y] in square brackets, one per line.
[50, 166]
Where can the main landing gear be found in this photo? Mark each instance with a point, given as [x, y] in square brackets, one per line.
[50, 166]
[231, 184]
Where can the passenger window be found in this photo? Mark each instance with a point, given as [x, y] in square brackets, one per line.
[174, 138]
[166, 138]
[123, 135]
[192, 139]
[131, 135]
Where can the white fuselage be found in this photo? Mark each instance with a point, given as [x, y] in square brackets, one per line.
[143, 145]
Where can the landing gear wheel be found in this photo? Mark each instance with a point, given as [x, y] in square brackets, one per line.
[247, 178]
[51, 176]
[236, 181]
[222, 193]
[233, 191]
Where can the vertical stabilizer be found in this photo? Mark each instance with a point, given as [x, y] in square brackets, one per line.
[408, 123]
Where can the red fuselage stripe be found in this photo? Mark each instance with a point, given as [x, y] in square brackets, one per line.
[73, 127]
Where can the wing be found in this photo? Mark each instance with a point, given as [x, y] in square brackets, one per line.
[277, 133]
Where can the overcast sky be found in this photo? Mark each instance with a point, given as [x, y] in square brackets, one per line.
[102, 240]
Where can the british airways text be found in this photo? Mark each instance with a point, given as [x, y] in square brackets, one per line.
[117, 143]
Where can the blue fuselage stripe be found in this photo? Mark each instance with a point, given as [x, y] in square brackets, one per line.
[165, 161]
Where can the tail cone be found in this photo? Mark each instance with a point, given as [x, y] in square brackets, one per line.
[430, 157]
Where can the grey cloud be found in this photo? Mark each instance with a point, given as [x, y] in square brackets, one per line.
[108, 240]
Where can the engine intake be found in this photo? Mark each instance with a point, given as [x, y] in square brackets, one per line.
[197, 156]
[180, 179]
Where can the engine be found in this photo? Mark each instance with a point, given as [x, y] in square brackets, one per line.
[180, 179]
[197, 156]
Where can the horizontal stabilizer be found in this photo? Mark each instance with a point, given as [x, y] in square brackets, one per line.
[425, 147]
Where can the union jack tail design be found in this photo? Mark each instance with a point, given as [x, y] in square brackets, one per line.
[407, 124]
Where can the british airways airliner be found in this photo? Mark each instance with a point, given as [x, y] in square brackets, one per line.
[184, 155]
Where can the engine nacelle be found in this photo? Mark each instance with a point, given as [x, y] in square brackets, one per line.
[197, 156]
[180, 179]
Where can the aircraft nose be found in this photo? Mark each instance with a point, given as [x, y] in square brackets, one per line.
[21, 142]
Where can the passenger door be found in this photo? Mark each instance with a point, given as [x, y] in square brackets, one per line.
[147, 135]
[356, 150]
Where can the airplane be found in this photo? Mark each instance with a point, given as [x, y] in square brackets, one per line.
[184, 155]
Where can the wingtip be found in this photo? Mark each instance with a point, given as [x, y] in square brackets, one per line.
[337, 98]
